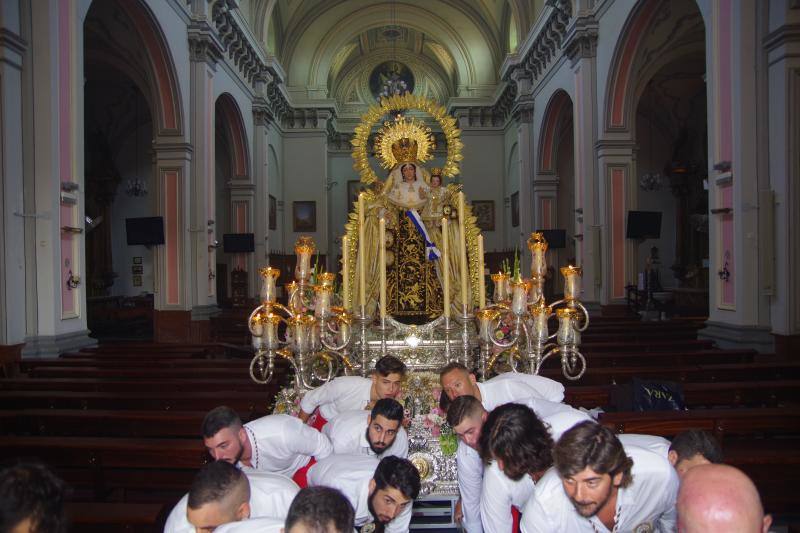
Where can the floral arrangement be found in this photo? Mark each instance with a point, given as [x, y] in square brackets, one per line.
[287, 402]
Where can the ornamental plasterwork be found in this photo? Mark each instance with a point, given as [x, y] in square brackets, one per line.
[352, 91]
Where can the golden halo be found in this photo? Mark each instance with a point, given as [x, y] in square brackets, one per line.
[402, 128]
[360, 140]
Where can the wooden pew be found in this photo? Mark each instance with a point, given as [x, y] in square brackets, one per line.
[188, 385]
[701, 394]
[105, 517]
[686, 373]
[160, 401]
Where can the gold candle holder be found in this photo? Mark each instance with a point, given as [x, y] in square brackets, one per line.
[572, 282]
[500, 287]
[537, 244]
[326, 279]
[519, 296]
[293, 300]
[303, 249]
[302, 327]
[322, 300]
[567, 333]
[485, 319]
[540, 313]
[270, 276]
[270, 324]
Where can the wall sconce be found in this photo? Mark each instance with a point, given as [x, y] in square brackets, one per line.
[73, 281]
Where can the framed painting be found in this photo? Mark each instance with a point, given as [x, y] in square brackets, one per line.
[273, 213]
[515, 209]
[484, 213]
[304, 216]
[137, 281]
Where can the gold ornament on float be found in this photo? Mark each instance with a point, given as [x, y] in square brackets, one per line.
[384, 153]
[403, 141]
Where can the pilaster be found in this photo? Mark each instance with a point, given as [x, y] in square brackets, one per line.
[581, 47]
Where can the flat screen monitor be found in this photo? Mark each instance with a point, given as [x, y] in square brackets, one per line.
[556, 238]
[644, 224]
[145, 230]
[238, 243]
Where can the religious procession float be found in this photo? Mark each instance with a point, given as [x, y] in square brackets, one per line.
[423, 300]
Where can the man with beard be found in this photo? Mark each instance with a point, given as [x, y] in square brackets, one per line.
[221, 493]
[378, 432]
[599, 486]
[348, 393]
[487, 497]
[382, 493]
[281, 444]
[457, 380]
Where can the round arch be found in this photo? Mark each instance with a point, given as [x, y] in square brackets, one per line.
[230, 119]
[558, 106]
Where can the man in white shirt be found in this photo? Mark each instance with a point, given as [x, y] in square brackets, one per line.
[313, 510]
[349, 393]
[221, 493]
[691, 448]
[381, 492]
[456, 380]
[378, 432]
[716, 497]
[280, 444]
[597, 486]
[486, 503]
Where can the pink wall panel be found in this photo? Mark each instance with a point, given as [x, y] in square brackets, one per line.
[617, 237]
[172, 225]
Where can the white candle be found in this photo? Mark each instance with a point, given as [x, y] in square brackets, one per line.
[465, 299]
[481, 284]
[362, 294]
[382, 265]
[345, 275]
[446, 267]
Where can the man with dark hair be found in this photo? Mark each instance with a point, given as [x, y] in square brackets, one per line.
[31, 500]
[457, 380]
[313, 510]
[350, 393]
[599, 486]
[691, 448]
[221, 493]
[380, 492]
[487, 497]
[280, 444]
[716, 497]
[379, 432]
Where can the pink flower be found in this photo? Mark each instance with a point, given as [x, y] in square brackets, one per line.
[428, 423]
[435, 431]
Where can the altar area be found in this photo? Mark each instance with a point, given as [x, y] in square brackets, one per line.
[412, 284]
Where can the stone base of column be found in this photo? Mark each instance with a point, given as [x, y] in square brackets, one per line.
[182, 326]
[53, 345]
[787, 346]
[732, 336]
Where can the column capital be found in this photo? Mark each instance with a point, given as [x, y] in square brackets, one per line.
[581, 39]
[523, 111]
[204, 46]
[262, 114]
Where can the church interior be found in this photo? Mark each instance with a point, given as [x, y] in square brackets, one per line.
[169, 165]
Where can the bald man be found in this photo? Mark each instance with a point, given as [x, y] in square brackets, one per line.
[719, 497]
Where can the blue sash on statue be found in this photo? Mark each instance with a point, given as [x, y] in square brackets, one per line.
[431, 251]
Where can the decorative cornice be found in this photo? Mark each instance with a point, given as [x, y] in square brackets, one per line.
[580, 41]
[784, 34]
[543, 50]
[488, 116]
[204, 44]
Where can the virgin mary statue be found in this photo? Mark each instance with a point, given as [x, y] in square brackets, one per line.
[413, 211]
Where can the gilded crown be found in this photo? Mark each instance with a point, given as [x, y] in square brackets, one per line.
[403, 141]
[405, 150]
[436, 171]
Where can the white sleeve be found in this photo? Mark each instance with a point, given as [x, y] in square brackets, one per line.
[399, 447]
[534, 518]
[495, 502]
[402, 522]
[177, 521]
[668, 521]
[470, 479]
[547, 388]
[308, 441]
[319, 396]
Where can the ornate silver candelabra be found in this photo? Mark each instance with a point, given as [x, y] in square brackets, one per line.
[520, 304]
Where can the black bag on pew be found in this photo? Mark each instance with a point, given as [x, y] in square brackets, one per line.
[649, 395]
